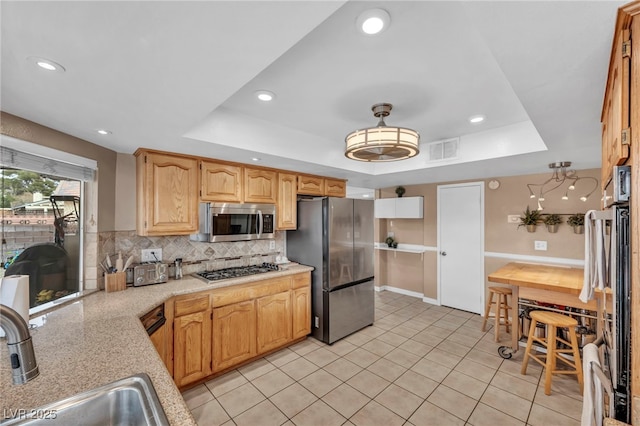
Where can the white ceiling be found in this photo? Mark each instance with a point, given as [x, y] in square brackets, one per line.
[181, 76]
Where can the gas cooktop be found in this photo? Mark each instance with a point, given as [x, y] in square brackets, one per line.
[241, 271]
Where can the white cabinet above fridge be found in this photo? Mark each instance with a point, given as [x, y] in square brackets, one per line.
[399, 208]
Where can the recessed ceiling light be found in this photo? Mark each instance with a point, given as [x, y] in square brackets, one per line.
[255, 159]
[373, 21]
[265, 95]
[476, 119]
[366, 195]
[46, 64]
[103, 132]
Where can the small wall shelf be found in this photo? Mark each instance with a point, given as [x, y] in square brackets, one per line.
[405, 248]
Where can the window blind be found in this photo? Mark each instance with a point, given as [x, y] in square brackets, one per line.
[14, 159]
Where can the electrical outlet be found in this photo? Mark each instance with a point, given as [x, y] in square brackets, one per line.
[513, 218]
[272, 245]
[540, 245]
[391, 234]
[147, 255]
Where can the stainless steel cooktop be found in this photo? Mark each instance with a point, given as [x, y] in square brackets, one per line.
[241, 271]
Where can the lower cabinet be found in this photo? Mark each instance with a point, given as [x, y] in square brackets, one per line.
[301, 315]
[192, 347]
[234, 334]
[274, 321]
[218, 329]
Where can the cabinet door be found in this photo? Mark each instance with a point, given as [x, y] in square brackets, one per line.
[192, 347]
[234, 334]
[615, 114]
[301, 299]
[274, 321]
[220, 182]
[167, 194]
[287, 199]
[159, 340]
[335, 188]
[384, 208]
[409, 207]
[310, 185]
[260, 186]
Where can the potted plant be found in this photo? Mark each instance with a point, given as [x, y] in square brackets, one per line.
[530, 219]
[577, 222]
[400, 191]
[391, 242]
[552, 221]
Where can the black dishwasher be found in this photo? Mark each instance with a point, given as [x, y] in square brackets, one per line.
[154, 319]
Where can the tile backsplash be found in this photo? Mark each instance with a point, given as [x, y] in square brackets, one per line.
[193, 253]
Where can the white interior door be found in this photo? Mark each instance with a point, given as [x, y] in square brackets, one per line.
[461, 246]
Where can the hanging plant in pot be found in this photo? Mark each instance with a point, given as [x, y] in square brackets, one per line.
[577, 222]
[530, 219]
[400, 191]
[552, 221]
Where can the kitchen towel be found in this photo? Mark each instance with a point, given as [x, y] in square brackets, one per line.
[14, 293]
[592, 400]
[595, 264]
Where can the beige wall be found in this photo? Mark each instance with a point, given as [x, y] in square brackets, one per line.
[29, 131]
[511, 198]
[125, 196]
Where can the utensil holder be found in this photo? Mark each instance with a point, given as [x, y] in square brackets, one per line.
[116, 281]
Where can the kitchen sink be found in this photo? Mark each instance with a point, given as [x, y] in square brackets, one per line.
[129, 401]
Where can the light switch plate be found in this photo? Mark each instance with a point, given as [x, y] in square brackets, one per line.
[513, 218]
[272, 245]
[540, 245]
[391, 234]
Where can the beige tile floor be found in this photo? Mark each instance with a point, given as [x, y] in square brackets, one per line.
[418, 364]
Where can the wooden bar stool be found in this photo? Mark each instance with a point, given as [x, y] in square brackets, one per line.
[501, 311]
[553, 321]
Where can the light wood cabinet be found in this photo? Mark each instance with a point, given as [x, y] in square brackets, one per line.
[335, 188]
[167, 194]
[192, 347]
[220, 182]
[287, 201]
[274, 321]
[616, 136]
[260, 186]
[159, 339]
[310, 185]
[234, 334]
[301, 312]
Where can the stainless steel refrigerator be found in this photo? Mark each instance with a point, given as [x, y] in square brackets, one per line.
[335, 236]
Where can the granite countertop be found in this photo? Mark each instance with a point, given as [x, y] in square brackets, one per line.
[100, 339]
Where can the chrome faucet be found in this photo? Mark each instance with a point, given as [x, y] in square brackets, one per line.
[23, 359]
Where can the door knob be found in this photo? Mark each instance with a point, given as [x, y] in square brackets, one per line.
[444, 253]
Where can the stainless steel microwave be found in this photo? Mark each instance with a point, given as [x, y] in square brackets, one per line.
[619, 187]
[235, 222]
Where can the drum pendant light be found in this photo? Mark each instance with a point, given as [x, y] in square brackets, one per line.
[382, 143]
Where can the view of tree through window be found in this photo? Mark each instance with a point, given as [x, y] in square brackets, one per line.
[41, 236]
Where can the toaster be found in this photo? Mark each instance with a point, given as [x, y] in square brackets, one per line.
[150, 273]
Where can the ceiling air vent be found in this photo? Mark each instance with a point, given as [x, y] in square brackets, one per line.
[443, 150]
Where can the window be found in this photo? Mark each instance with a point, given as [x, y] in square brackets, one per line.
[41, 205]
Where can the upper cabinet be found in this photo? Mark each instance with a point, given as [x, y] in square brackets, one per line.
[616, 134]
[310, 185]
[287, 201]
[220, 182]
[260, 186]
[399, 208]
[167, 194]
[316, 185]
[170, 187]
[335, 188]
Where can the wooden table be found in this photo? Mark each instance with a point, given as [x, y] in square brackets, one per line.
[555, 284]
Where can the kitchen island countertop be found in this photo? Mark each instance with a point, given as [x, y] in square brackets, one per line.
[99, 339]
